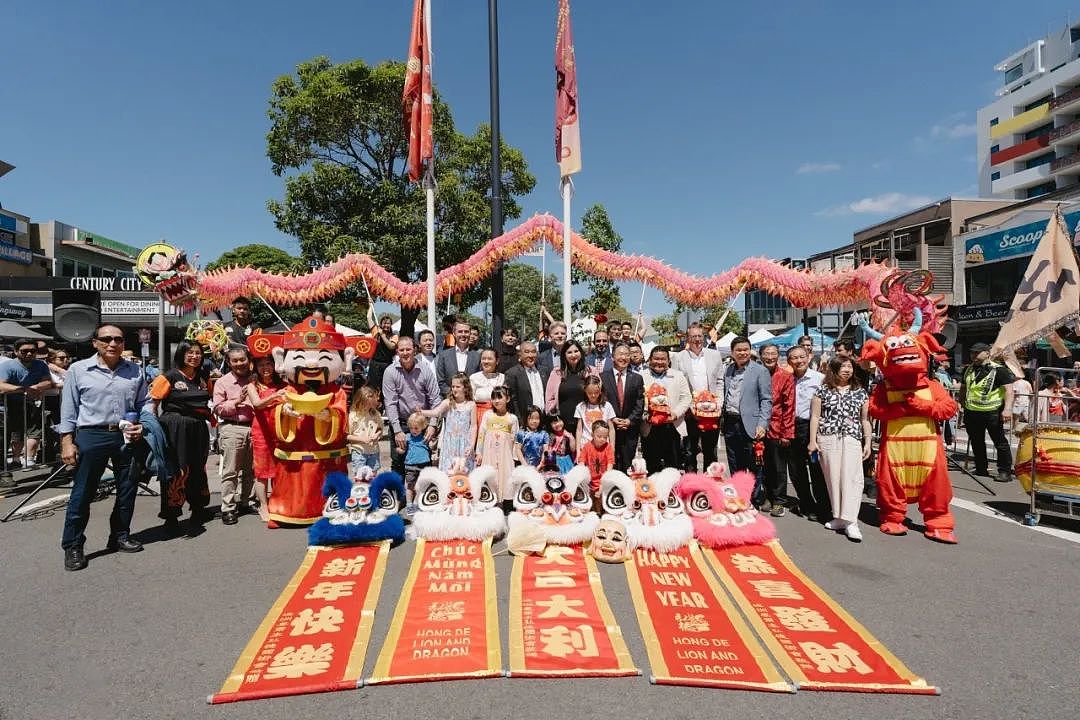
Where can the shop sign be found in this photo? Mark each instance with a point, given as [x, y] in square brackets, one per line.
[14, 253]
[15, 312]
[130, 307]
[993, 245]
[980, 312]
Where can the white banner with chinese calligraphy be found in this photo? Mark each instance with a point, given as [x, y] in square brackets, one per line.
[560, 622]
[315, 636]
[446, 624]
[817, 643]
[693, 634]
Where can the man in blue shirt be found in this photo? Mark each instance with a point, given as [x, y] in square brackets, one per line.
[97, 393]
[23, 380]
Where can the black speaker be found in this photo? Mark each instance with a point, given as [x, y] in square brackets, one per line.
[76, 314]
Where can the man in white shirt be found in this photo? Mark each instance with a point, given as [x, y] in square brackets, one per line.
[526, 382]
[704, 370]
[806, 476]
[456, 359]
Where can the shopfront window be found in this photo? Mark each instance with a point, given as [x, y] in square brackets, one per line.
[996, 282]
[67, 268]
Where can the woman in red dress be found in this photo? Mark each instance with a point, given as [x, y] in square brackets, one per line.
[266, 393]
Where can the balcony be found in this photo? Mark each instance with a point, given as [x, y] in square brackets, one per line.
[1023, 179]
[1065, 132]
[1069, 161]
[1065, 101]
[1022, 150]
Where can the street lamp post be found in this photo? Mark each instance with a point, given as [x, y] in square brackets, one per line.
[496, 166]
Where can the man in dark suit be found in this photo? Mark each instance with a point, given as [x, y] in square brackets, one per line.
[456, 359]
[526, 382]
[549, 357]
[625, 390]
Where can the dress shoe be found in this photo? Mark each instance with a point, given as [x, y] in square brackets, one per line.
[1003, 477]
[229, 518]
[125, 544]
[172, 527]
[766, 506]
[74, 559]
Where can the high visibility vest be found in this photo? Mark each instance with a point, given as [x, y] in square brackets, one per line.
[981, 395]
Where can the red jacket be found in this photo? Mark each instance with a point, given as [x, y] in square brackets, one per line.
[782, 422]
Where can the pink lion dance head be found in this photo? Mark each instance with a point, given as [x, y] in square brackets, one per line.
[720, 508]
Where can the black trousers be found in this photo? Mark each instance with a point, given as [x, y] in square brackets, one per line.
[626, 442]
[775, 471]
[807, 477]
[661, 447]
[698, 440]
[979, 424]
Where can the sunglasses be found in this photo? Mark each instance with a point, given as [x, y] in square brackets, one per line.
[109, 339]
[26, 351]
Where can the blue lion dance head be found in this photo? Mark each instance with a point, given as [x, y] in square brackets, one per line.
[360, 510]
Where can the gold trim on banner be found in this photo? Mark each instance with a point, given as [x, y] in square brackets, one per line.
[355, 666]
[386, 655]
[648, 632]
[618, 644]
[236, 677]
[491, 590]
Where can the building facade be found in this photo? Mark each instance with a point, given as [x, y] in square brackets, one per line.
[1029, 138]
[763, 311]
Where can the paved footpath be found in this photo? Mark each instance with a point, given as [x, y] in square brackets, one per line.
[991, 621]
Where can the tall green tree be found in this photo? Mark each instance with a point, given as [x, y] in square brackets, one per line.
[522, 303]
[336, 136]
[271, 259]
[596, 227]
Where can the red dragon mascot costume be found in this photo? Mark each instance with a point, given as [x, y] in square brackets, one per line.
[911, 460]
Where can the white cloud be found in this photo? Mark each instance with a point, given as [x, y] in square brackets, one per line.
[817, 168]
[953, 132]
[886, 203]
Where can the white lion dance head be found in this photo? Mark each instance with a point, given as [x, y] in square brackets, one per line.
[558, 505]
[649, 507]
[457, 506]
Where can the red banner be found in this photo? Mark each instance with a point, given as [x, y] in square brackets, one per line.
[315, 636]
[446, 625]
[816, 642]
[567, 129]
[416, 96]
[560, 621]
[692, 633]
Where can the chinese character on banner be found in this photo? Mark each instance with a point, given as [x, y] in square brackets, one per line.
[780, 589]
[554, 579]
[557, 555]
[343, 567]
[446, 611]
[310, 622]
[801, 618]
[841, 657]
[331, 590]
[294, 662]
[561, 606]
[692, 622]
[752, 564]
[560, 641]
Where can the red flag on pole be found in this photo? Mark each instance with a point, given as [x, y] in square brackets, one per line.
[567, 132]
[416, 98]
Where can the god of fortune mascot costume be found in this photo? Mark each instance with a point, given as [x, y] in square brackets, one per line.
[312, 423]
[721, 511]
[557, 505]
[364, 509]
[911, 460]
[458, 505]
[648, 506]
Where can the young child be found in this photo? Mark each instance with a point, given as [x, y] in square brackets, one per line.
[457, 441]
[532, 440]
[561, 446]
[599, 456]
[417, 457]
[594, 407]
[365, 430]
[495, 440]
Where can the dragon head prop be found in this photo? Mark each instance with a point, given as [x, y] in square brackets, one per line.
[720, 509]
[648, 506]
[457, 506]
[168, 272]
[902, 355]
[360, 510]
[559, 505]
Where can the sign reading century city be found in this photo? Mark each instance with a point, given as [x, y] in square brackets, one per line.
[991, 245]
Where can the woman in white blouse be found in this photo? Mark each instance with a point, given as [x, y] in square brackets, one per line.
[486, 380]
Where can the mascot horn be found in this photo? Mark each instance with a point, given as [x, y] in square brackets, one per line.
[721, 511]
[457, 506]
[648, 506]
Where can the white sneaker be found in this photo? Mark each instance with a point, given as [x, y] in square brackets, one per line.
[853, 532]
[836, 524]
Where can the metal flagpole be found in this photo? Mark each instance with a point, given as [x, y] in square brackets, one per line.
[497, 307]
[429, 191]
[567, 191]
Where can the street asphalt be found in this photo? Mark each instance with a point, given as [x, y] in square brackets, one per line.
[991, 621]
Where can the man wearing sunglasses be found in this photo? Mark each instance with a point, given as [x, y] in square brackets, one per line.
[97, 393]
[23, 380]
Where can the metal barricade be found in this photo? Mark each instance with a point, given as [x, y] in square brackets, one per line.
[29, 436]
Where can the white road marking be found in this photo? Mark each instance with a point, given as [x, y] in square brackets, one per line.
[988, 512]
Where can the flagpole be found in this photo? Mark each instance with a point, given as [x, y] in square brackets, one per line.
[429, 192]
[496, 164]
[567, 191]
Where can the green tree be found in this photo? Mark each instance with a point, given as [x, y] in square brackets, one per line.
[522, 291]
[271, 259]
[596, 227]
[336, 135]
[666, 326]
[732, 323]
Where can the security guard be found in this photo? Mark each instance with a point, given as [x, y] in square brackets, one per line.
[986, 396]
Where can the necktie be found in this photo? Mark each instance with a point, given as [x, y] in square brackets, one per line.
[619, 389]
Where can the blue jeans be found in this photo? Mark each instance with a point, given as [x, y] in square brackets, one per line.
[362, 459]
[96, 448]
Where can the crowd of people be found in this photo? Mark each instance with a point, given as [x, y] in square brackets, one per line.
[446, 401]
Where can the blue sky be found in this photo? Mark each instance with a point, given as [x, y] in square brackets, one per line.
[710, 131]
